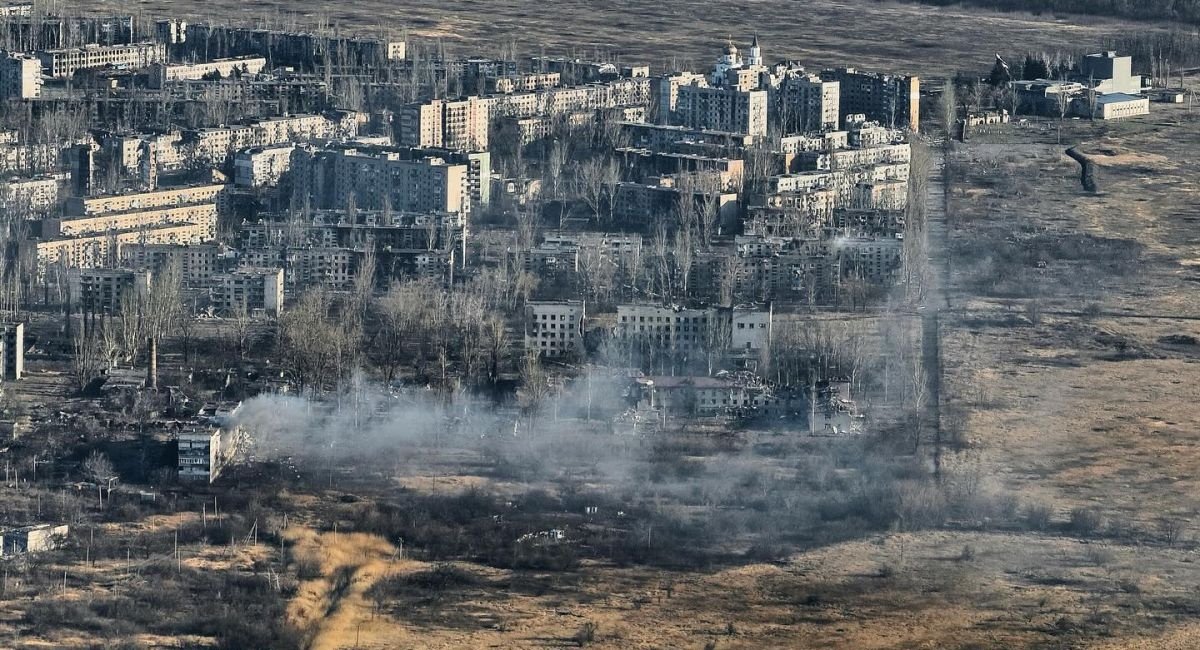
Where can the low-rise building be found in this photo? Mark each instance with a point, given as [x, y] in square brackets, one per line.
[987, 117]
[162, 73]
[32, 539]
[741, 395]
[204, 452]
[1115, 106]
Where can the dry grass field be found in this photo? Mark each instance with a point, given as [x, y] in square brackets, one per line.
[1072, 348]
[887, 36]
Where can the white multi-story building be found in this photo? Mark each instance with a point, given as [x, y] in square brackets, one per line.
[197, 264]
[214, 193]
[161, 73]
[30, 196]
[250, 290]
[20, 76]
[374, 179]
[103, 249]
[554, 328]
[262, 166]
[455, 124]
[680, 329]
[61, 64]
[666, 328]
[803, 103]
[750, 328]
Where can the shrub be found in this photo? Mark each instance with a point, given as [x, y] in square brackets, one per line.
[1098, 555]
[586, 634]
[1038, 515]
[1085, 521]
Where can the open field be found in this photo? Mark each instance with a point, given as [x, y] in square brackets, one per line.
[931, 590]
[895, 37]
[1074, 345]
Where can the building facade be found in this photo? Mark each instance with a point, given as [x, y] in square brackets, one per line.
[61, 64]
[20, 76]
[555, 329]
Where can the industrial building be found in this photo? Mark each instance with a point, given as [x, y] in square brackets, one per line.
[1115, 106]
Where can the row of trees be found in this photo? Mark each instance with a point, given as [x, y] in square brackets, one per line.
[147, 317]
[442, 335]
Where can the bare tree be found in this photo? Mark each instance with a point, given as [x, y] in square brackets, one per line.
[949, 106]
[595, 183]
[158, 310]
[535, 388]
[315, 345]
[86, 362]
[240, 325]
[393, 311]
[495, 342]
[1062, 102]
[99, 469]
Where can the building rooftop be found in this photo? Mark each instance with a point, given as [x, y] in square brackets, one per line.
[1118, 98]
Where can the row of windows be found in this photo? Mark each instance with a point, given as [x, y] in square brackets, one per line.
[667, 319]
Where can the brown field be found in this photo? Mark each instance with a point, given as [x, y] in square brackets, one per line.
[887, 36]
[1016, 591]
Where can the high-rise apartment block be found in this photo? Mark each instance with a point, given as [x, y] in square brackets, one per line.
[379, 178]
[803, 103]
[102, 291]
[12, 352]
[891, 100]
[722, 109]
[20, 76]
[454, 124]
